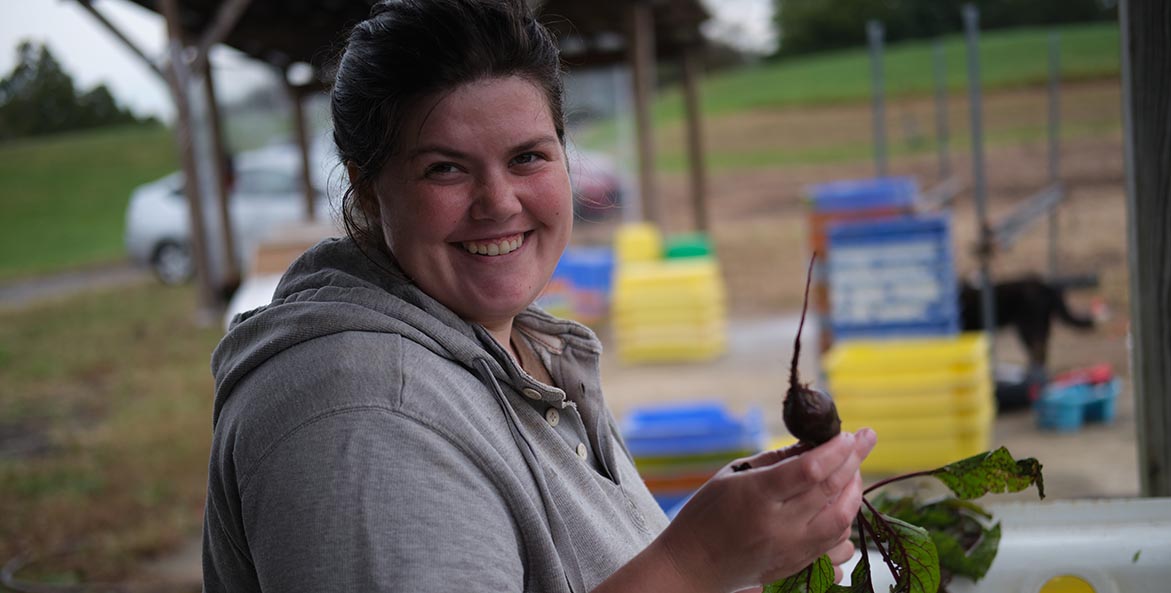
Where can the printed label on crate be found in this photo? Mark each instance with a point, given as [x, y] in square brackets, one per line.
[892, 276]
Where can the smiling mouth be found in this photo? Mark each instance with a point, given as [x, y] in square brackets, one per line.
[501, 246]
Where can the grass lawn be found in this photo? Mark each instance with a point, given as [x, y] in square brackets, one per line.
[63, 198]
[1009, 59]
[105, 424]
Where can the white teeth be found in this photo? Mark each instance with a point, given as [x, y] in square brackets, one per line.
[494, 248]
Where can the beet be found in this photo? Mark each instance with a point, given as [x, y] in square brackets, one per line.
[809, 414]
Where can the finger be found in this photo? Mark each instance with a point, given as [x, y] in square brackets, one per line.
[832, 519]
[768, 458]
[795, 476]
[841, 553]
[866, 439]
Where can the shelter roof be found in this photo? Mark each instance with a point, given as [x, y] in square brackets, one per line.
[284, 32]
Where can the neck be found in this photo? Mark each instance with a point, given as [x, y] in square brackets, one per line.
[502, 333]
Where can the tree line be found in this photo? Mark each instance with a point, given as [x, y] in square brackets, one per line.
[39, 97]
[808, 26]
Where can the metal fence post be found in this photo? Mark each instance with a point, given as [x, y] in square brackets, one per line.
[1054, 140]
[939, 72]
[874, 33]
[979, 183]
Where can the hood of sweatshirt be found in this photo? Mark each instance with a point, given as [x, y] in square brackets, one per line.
[337, 287]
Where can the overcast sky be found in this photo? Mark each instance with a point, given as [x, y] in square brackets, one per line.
[91, 54]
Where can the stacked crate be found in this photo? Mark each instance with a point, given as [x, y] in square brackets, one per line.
[844, 201]
[678, 447]
[892, 277]
[930, 399]
[581, 285]
[666, 309]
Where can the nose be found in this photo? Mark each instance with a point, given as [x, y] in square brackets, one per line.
[496, 197]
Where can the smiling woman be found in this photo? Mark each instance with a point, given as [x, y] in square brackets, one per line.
[476, 204]
[401, 417]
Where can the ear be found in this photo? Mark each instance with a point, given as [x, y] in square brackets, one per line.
[352, 173]
[364, 199]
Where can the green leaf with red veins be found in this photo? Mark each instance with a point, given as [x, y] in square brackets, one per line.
[815, 578]
[991, 472]
[908, 552]
[972, 563]
[819, 578]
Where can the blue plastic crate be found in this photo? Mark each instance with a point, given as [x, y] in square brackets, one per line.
[892, 277]
[588, 268]
[1065, 408]
[691, 429]
[864, 194]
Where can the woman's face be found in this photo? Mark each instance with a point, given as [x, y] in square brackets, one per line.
[476, 204]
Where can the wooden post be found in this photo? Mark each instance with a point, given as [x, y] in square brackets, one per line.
[101, 19]
[231, 268]
[691, 74]
[179, 79]
[297, 98]
[226, 17]
[1146, 51]
[642, 59]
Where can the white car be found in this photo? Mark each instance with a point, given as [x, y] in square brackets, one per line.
[266, 192]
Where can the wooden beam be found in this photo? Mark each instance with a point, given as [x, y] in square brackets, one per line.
[301, 133]
[225, 174]
[1146, 51]
[696, 167]
[225, 20]
[179, 78]
[100, 18]
[642, 57]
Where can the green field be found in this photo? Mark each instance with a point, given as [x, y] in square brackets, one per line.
[1007, 58]
[1012, 58]
[63, 198]
[105, 413]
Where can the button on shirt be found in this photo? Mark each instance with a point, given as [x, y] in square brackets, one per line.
[562, 416]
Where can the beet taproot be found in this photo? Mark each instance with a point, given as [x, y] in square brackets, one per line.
[809, 414]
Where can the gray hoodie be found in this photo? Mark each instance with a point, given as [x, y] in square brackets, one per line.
[368, 439]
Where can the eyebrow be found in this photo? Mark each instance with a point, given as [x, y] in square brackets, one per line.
[456, 154]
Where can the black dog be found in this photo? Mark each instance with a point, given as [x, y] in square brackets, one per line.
[1027, 304]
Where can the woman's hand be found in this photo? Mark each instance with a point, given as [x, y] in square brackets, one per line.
[756, 526]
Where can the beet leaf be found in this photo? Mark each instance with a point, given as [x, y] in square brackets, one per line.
[991, 472]
[925, 544]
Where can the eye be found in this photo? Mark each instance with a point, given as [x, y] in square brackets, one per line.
[441, 170]
[527, 158]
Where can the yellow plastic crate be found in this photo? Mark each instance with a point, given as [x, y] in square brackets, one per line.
[904, 384]
[637, 243]
[710, 296]
[671, 351]
[954, 401]
[651, 338]
[965, 354]
[907, 455]
[896, 424]
[673, 273]
[895, 456]
[635, 317]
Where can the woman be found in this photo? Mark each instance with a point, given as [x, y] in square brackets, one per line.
[401, 418]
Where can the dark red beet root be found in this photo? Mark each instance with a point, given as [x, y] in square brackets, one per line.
[809, 414]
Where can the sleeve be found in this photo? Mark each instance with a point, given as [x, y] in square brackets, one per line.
[368, 500]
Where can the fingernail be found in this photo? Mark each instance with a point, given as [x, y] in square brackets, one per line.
[868, 436]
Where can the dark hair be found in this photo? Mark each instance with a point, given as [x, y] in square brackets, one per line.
[411, 49]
